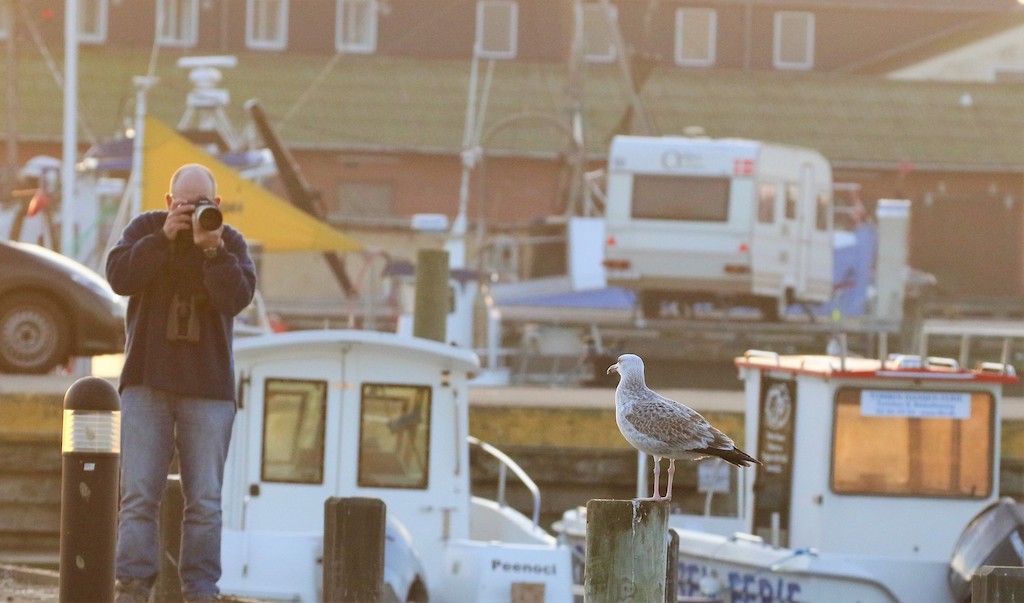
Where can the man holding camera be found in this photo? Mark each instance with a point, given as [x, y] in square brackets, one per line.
[187, 276]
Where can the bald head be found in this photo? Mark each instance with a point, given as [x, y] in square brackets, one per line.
[192, 181]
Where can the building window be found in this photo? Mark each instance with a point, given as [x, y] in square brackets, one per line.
[92, 21]
[696, 36]
[794, 40]
[294, 424]
[913, 443]
[598, 36]
[497, 27]
[355, 27]
[394, 436]
[177, 22]
[361, 201]
[266, 24]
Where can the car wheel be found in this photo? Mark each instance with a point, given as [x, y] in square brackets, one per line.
[34, 333]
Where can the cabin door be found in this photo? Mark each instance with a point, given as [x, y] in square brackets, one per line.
[775, 436]
[291, 466]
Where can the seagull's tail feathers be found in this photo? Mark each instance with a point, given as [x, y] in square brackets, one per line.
[732, 455]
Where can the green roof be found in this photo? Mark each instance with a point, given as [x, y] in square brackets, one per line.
[380, 103]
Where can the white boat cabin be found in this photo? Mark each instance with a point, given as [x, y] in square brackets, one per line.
[872, 470]
[359, 413]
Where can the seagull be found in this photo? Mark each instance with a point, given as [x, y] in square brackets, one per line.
[664, 428]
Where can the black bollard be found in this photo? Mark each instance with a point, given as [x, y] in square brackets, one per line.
[90, 454]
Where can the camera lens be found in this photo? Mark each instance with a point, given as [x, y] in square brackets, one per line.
[209, 217]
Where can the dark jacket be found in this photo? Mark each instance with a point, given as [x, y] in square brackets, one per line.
[190, 353]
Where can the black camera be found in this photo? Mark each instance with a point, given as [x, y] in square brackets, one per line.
[208, 214]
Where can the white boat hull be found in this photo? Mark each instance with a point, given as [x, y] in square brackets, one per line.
[745, 569]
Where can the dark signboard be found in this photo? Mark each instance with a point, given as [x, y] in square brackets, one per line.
[772, 492]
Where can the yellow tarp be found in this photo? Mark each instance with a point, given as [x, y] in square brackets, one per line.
[260, 215]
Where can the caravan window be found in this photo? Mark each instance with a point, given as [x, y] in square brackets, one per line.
[913, 443]
[293, 431]
[394, 436]
[766, 194]
[792, 196]
[689, 198]
[823, 211]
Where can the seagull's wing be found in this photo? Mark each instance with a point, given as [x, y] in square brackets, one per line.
[676, 425]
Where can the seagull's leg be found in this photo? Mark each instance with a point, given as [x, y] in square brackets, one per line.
[671, 472]
[657, 477]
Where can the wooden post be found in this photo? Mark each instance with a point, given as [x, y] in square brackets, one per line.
[997, 584]
[172, 507]
[433, 297]
[354, 550]
[672, 568]
[626, 551]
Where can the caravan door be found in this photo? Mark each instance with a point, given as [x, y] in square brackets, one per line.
[804, 228]
[769, 248]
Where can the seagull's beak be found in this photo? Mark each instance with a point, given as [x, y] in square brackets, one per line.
[612, 369]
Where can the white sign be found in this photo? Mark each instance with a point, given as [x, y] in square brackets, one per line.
[713, 476]
[915, 404]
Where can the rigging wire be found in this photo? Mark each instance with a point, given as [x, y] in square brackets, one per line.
[51, 64]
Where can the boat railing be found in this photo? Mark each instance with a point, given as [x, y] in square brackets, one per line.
[505, 463]
[967, 330]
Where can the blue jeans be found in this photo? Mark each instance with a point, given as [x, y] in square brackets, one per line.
[153, 424]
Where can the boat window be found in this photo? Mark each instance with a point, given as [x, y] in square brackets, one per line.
[394, 436]
[913, 443]
[293, 431]
[689, 198]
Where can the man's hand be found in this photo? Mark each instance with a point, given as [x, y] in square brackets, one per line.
[179, 218]
[182, 217]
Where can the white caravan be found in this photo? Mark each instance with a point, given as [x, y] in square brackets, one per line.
[730, 221]
[368, 414]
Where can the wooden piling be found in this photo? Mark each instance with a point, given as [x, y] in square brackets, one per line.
[672, 567]
[354, 550]
[433, 298]
[172, 508]
[627, 552]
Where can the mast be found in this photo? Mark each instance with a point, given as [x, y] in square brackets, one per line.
[68, 245]
[9, 179]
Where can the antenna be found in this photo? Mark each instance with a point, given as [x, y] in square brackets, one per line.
[204, 111]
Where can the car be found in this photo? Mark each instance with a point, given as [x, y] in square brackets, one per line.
[53, 308]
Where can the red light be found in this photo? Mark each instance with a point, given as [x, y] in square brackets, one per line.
[744, 248]
[610, 241]
[743, 167]
[47, 14]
